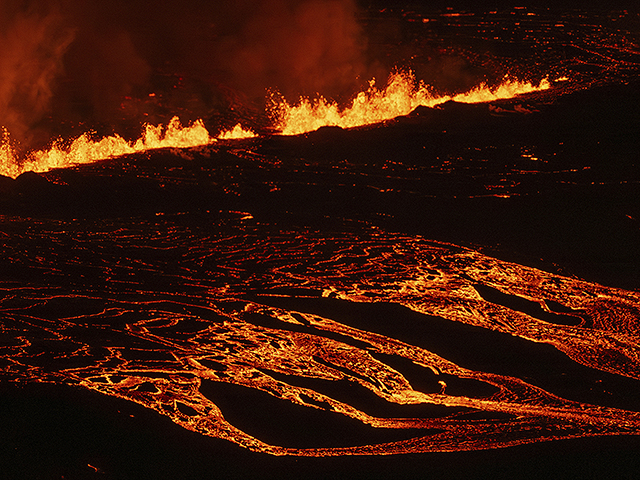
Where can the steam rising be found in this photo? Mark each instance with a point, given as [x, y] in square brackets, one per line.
[114, 65]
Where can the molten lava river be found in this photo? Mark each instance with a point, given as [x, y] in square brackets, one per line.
[430, 346]
[413, 272]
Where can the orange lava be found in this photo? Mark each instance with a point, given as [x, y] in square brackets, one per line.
[165, 350]
[236, 132]
[84, 149]
[400, 96]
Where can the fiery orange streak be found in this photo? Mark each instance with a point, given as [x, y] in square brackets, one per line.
[399, 97]
[86, 150]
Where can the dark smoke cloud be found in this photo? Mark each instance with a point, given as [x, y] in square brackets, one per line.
[72, 64]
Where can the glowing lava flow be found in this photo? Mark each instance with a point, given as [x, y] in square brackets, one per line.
[400, 97]
[86, 150]
[406, 346]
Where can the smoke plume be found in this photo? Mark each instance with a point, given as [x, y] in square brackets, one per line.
[69, 65]
[32, 42]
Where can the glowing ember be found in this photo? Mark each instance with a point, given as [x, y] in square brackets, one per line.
[400, 96]
[86, 150]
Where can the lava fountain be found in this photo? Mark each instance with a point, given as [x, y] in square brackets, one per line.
[84, 149]
[400, 96]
